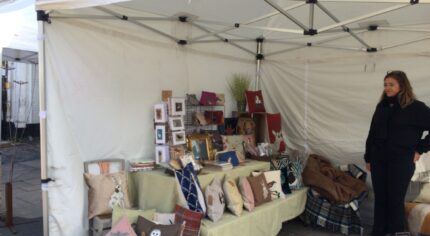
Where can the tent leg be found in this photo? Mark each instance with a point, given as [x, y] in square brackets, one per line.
[259, 57]
[43, 138]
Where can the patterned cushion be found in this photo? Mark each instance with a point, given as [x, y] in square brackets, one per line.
[122, 228]
[260, 189]
[105, 192]
[131, 214]
[246, 192]
[190, 188]
[215, 201]
[150, 228]
[192, 220]
[234, 142]
[249, 144]
[228, 156]
[274, 128]
[232, 196]
[273, 179]
[282, 165]
[255, 101]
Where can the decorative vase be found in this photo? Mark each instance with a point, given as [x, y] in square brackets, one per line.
[241, 106]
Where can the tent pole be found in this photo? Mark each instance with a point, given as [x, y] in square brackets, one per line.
[42, 115]
[259, 58]
[286, 14]
[359, 18]
[326, 11]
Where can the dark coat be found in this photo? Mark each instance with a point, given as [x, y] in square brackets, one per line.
[396, 132]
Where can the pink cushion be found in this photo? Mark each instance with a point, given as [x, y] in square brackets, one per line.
[123, 227]
[246, 192]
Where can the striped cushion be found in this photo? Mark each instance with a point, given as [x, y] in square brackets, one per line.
[192, 220]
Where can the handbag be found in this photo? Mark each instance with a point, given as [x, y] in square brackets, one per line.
[208, 98]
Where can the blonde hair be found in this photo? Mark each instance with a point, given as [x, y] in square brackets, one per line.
[406, 95]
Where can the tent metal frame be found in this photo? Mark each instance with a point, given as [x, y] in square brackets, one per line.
[218, 34]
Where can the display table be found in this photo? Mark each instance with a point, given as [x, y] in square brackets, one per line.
[157, 190]
[263, 220]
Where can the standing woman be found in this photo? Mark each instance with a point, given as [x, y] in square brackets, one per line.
[393, 146]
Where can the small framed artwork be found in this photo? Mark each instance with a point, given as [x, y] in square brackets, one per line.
[160, 134]
[162, 154]
[165, 95]
[176, 123]
[177, 106]
[201, 146]
[178, 137]
[160, 113]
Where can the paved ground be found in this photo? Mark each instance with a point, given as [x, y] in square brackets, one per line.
[27, 203]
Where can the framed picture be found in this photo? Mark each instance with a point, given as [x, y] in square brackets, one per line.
[178, 137]
[160, 113]
[160, 134]
[201, 146]
[177, 106]
[176, 123]
[162, 154]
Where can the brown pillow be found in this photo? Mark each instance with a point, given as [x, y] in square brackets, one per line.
[105, 192]
[148, 228]
[191, 218]
[260, 189]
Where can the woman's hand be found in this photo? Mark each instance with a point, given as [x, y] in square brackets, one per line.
[368, 167]
[416, 157]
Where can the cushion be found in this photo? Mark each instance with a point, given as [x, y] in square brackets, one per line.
[249, 145]
[189, 190]
[246, 192]
[424, 194]
[131, 214]
[282, 165]
[418, 218]
[200, 118]
[152, 229]
[255, 101]
[105, 192]
[295, 169]
[274, 128]
[220, 99]
[208, 98]
[123, 227]
[232, 196]
[234, 142]
[164, 218]
[260, 189]
[192, 220]
[215, 201]
[273, 179]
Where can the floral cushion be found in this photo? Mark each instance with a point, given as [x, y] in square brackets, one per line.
[105, 192]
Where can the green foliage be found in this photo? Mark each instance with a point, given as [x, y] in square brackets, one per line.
[238, 84]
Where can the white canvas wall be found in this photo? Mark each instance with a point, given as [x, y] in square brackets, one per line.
[99, 104]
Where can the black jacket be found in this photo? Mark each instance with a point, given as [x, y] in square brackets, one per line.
[396, 132]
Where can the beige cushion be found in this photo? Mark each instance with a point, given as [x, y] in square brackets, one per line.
[215, 202]
[424, 195]
[164, 218]
[232, 196]
[246, 192]
[234, 142]
[260, 189]
[131, 214]
[273, 179]
[105, 192]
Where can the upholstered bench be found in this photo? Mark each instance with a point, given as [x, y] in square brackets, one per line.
[266, 219]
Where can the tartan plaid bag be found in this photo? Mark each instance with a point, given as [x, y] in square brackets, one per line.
[343, 218]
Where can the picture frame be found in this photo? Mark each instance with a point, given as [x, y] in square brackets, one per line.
[176, 123]
[162, 154]
[201, 146]
[160, 134]
[177, 106]
[178, 137]
[160, 113]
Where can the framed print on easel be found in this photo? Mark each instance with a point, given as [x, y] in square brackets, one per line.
[160, 134]
[160, 113]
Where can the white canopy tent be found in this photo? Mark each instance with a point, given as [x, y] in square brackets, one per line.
[319, 63]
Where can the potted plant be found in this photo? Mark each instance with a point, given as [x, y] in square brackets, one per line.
[238, 83]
